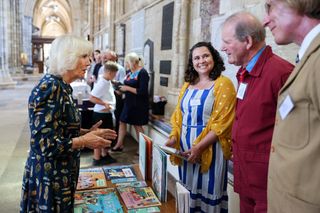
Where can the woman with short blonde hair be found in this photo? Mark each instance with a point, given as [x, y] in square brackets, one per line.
[136, 102]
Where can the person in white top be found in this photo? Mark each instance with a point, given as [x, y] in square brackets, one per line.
[110, 55]
[104, 99]
[293, 178]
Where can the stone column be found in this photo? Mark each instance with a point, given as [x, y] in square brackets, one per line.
[27, 37]
[208, 8]
[14, 40]
[180, 48]
[5, 78]
[180, 51]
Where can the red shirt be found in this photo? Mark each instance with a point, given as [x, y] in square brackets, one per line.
[254, 121]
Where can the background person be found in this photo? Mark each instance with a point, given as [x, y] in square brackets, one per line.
[260, 77]
[136, 103]
[94, 68]
[294, 173]
[201, 129]
[104, 99]
[52, 168]
[120, 77]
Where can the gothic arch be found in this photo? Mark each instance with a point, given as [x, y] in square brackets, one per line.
[70, 18]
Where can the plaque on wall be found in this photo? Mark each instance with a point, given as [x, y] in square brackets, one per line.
[167, 25]
[165, 67]
[164, 81]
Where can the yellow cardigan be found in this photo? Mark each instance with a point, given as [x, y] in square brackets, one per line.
[220, 121]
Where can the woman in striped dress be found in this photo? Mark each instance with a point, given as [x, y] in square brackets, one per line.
[201, 129]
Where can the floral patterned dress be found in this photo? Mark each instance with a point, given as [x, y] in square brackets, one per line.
[52, 167]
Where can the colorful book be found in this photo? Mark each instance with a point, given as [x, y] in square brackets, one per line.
[138, 197]
[145, 210]
[132, 184]
[159, 173]
[97, 201]
[145, 156]
[120, 174]
[91, 178]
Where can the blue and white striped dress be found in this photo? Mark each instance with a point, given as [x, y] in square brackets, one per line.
[208, 191]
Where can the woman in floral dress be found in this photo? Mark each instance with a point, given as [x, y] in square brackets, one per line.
[52, 168]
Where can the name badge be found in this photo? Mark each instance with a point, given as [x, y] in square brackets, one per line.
[242, 90]
[286, 107]
[195, 102]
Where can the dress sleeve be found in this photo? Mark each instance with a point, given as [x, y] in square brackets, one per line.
[223, 113]
[46, 106]
[143, 83]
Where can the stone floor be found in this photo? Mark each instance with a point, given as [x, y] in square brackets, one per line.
[14, 140]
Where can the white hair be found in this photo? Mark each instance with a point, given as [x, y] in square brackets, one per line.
[65, 53]
[133, 58]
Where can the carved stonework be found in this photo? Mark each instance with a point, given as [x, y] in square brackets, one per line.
[208, 9]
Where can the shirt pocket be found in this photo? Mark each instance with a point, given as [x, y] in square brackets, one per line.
[294, 131]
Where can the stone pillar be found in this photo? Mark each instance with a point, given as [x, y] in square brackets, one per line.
[14, 28]
[27, 37]
[180, 48]
[208, 9]
[5, 78]
[180, 51]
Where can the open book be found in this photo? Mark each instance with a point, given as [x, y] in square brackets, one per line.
[182, 198]
[172, 151]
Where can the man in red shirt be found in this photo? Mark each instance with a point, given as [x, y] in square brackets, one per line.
[260, 77]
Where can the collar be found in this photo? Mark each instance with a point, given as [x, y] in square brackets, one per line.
[254, 60]
[307, 40]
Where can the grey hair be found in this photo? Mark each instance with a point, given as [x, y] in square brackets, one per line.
[310, 8]
[65, 53]
[247, 24]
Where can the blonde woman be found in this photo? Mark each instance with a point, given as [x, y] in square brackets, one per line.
[52, 168]
[136, 104]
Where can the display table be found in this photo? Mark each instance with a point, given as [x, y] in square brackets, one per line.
[169, 206]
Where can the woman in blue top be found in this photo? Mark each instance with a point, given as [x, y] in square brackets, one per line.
[136, 102]
[52, 168]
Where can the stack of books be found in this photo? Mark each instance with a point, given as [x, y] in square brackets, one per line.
[93, 194]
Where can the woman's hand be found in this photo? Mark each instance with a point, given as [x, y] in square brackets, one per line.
[124, 88]
[193, 154]
[94, 127]
[105, 133]
[170, 142]
[99, 138]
